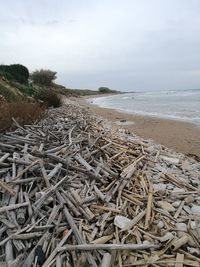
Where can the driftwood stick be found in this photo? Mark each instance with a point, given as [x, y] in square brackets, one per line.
[75, 230]
[149, 205]
[86, 247]
[29, 260]
[10, 236]
[30, 210]
[9, 253]
[26, 236]
[7, 188]
[25, 170]
[48, 193]
[134, 221]
[70, 134]
[44, 174]
[18, 161]
[13, 207]
[25, 181]
[65, 163]
[106, 261]
[54, 171]
[179, 260]
[54, 252]
[4, 157]
[21, 211]
[53, 214]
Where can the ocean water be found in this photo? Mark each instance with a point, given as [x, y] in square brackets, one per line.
[182, 105]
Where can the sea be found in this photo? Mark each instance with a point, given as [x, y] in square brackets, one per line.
[181, 105]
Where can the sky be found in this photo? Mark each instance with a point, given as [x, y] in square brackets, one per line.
[128, 45]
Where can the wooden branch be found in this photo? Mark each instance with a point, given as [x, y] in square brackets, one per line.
[86, 247]
[13, 207]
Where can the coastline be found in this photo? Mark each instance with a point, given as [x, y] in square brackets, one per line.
[181, 136]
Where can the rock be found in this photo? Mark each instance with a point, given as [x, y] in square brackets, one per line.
[195, 210]
[159, 187]
[178, 190]
[170, 186]
[193, 251]
[121, 221]
[160, 224]
[186, 166]
[167, 236]
[166, 206]
[176, 204]
[187, 209]
[193, 225]
[170, 160]
[181, 226]
[189, 199]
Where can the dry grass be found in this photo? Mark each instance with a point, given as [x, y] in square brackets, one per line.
[23, 112]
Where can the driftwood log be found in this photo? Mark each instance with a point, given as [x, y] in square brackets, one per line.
[76, 192]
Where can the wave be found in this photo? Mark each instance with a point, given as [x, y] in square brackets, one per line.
[174, 104]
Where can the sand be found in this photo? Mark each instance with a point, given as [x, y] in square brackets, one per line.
[181, 136]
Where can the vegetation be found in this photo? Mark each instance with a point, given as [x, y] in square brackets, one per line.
[15, 91]
[49, 97]
[25, 89]
[43, 77]
[106, 90]
[9, 95]
[23, 112]
[15, 72]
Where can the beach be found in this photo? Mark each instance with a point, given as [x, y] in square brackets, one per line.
[88, 185]
[181, 136]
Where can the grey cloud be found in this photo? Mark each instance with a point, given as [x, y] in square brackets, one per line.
[122, 44]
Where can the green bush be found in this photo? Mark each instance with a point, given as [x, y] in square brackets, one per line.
[15, 72]
[43, 77]
[104, 90]
[7, 75]
[25, 89]
[49, 97]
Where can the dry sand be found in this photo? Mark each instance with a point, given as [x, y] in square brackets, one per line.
[180, 136]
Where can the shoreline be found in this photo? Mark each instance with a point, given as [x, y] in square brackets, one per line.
[183, 137]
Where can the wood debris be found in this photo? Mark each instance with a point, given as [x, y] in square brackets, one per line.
[74, 192]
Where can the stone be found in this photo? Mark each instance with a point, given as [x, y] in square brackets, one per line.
[181, 226]
[195, 210]
[159, 187]
[160, 224]
[121, 221]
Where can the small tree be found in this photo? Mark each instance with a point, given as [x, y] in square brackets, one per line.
[43, 77]
[104, 90]
[15, 72]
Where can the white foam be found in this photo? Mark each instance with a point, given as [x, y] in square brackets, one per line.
[175, 105]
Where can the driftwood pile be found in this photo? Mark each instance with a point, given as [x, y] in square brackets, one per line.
[75, 193]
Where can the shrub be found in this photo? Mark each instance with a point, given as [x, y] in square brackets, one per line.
[49, 97]
[23, 112]
[104, 90]
[26, 89]
[43, 77]
[7, 94]
[15, 72]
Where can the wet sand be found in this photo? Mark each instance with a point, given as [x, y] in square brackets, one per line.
[180, 136]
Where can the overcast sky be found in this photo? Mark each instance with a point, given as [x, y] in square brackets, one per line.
[121, 44]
